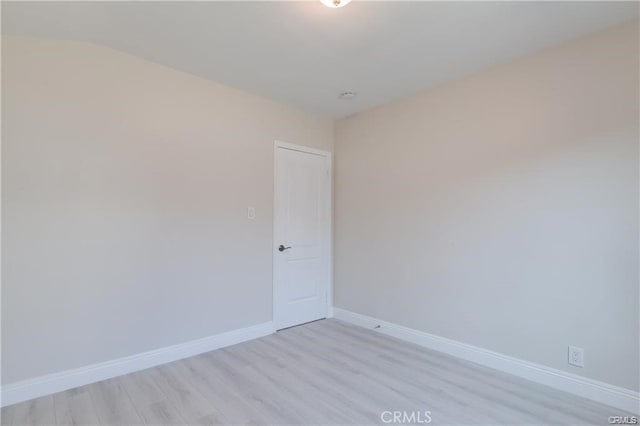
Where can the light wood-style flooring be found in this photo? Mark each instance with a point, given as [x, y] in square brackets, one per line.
[323, 373]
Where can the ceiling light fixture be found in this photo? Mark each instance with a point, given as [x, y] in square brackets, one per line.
[334, 4]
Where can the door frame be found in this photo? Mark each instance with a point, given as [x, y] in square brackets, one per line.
[329, 156]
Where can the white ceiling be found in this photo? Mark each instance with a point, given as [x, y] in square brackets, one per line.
[305, 54]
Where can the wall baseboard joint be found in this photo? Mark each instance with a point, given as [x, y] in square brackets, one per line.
[58, 382]
[623, 399]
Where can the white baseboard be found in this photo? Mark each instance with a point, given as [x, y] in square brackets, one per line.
[57, 382]
[614, 396]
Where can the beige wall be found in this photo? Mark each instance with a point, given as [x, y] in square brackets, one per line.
[125, 194]
[502, 210]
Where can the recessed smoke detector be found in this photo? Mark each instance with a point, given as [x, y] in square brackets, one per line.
[347, 96]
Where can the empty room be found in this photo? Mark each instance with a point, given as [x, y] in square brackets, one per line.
[320, 212]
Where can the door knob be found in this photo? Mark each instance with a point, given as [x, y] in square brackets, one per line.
[283, 248]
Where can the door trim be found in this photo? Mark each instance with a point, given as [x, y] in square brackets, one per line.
[293, 147]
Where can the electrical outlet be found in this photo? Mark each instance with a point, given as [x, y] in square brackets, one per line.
[576, 356]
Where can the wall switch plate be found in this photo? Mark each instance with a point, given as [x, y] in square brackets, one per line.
[251, 212]
[576, 356]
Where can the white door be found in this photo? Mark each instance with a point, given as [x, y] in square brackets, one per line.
[302, 235]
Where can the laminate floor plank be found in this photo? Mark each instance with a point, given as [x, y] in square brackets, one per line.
[75, 407]
[39, 411]
[161, 413]
[6, 415]
[416, 378]
[315, 387]
[243, 384]
[142, 388]
[295, 393]
[213, 419]
[183, 395]
[374, 395]
[113, 404]
[333, 381]
[567, 407]
[470, 398]
[228, 403]
[323, 373]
